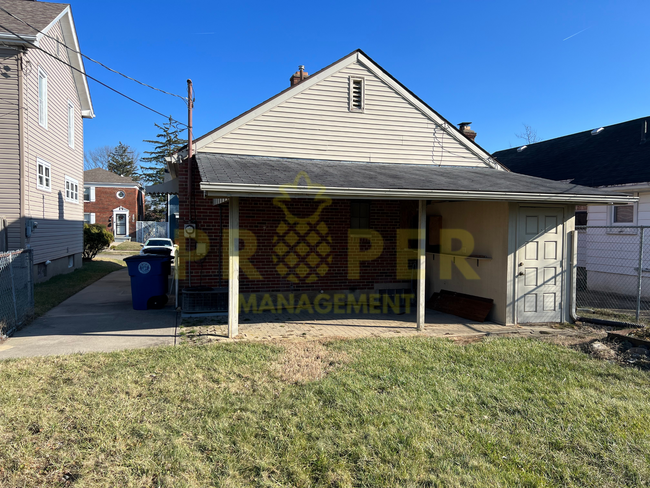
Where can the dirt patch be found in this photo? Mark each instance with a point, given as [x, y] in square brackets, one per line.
[305, 361]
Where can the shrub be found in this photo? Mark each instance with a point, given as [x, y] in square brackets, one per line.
[96, 238]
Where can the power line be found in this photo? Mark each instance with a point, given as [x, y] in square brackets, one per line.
[92, 78]
[91, 59]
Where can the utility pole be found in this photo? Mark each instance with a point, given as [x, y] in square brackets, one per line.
[190, 106]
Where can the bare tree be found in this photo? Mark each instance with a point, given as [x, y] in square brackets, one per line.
[98, 157]
[529, 134]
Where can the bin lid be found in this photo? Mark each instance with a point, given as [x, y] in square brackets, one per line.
[146, 257]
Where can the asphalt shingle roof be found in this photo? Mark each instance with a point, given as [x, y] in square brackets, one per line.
[617, 155]
[262, 170]
[99, 175]
[38, 14]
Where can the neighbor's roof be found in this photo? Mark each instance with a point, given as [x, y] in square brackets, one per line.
[232, 175]
[99, 175]
[42, 16]
[617, 155]
[38, 14]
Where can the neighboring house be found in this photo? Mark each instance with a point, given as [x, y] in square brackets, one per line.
[114, 201]
[44, 97]
[335, 191]
[611, 158]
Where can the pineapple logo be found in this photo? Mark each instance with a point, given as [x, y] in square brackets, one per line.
[302, 246]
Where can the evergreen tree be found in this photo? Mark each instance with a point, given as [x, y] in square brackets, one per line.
[167, 143]
[123, 161]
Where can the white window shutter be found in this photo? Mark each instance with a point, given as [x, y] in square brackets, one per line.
[92, 194]
[92, 218]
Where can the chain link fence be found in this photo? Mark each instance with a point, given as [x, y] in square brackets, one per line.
[613, 275]
[145, 230]
[16, 290]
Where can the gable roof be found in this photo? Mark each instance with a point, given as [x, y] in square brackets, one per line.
[377, 70]
[43, 16]
[100, 175]
[617, 155]
[235, 175]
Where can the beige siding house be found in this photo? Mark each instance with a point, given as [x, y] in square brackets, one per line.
[346, 188]
[45, 96]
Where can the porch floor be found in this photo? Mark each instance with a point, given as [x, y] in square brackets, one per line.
[303, 325]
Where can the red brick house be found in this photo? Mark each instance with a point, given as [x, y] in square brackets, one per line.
[347, 192]
[114, 201]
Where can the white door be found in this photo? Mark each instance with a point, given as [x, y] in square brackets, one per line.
[539, 265]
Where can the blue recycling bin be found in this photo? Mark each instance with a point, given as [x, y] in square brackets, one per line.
[149, 275]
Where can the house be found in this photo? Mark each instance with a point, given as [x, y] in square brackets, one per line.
[114, 201]
[611, 158]
[44, 98]
[347, 192]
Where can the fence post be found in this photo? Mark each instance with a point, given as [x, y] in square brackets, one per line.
[13, 288]
[640, 276]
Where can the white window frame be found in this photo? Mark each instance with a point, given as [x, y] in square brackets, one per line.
[624, 226]
[71, 190]
[91, 217]
[91, 193]
[363, 93]
[42, 98]
[70, 124]
[47, 175]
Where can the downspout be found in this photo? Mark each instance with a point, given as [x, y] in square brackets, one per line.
[21, 149]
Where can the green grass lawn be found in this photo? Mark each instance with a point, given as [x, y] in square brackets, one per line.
[127, 246]
[61, 287]
[397, 412]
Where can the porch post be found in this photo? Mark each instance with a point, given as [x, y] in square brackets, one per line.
[422, 263]
[233, 267]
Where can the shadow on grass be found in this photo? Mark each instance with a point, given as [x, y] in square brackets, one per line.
[49, 294]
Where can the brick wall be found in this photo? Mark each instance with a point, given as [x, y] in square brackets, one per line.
[315, 245]
[106, 200]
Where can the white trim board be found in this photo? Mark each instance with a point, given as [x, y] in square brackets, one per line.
[232, 190]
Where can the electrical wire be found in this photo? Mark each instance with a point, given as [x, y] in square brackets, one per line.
[91, 59]
[92, 78]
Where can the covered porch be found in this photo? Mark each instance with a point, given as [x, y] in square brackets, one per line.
[262, 199]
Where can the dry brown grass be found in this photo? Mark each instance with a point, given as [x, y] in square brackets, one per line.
[306, 361]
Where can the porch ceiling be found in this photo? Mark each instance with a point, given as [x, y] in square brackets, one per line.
[237, 175]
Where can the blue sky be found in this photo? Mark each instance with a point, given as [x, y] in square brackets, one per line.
[559, 66]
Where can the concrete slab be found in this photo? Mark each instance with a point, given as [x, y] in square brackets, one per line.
[98, 318]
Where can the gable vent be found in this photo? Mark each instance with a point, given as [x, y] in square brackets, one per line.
[356, 95]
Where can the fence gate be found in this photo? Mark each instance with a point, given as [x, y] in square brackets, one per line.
[145, 230]
[613, 275]
[16, 289]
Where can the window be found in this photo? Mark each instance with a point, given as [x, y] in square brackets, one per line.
[71, 190]
[42, 98]
[44, 181]
[70, 261]
[360, 215]
[70, 124]
[89, 218]
[623, 214]
[357, 95]
[120, 194]
[581, 217]
[86, 193]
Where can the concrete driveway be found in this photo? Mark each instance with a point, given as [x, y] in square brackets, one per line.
[98, 318]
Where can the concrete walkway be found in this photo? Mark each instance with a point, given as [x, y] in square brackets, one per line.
[98, 318]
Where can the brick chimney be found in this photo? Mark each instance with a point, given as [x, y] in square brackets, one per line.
[467, 131]
[298, 76]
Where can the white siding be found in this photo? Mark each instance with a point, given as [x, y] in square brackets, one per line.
[60, 230]
[317, 124]
[10, 145]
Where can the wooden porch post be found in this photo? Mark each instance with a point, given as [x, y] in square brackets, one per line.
[422, 263]
[233, 267]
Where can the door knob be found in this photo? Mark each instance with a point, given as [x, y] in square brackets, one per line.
[521, 273]
[521, 264]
